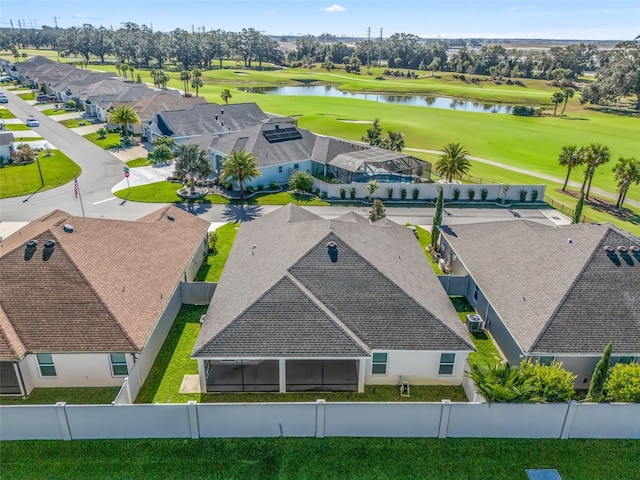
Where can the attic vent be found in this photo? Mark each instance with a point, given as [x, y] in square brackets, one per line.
[49, 244]
[332, 250]
[48, 249]
[171, 217]
[30, 249]
[608, 249]
[68, 228]
[32, 244]
[622, 249]
[634, 248]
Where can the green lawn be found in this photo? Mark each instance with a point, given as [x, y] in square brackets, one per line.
[76, 122]
[163, 192]
[75, 396]
[54, 111]
[57, 170]
[212, 267]
[486, 351]
[16, 127]
[139, 162]
[5, 114]
[112, 140]
[320, 459]
[28, 95]
[283, 198]
[424, 237]
[173, 362]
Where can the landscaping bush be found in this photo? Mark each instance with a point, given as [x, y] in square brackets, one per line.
[403, 193]
[260, 188]
[343, 193]
[623, 383]
[352, 193]
[523, 111]
[416, 193]
[534, 195]
[213, 238]
[471, 194]
[456, 194]
[552, 383]
[301, 182]
[250, 189]
[102, 133]
[484, 194]
[274, 185]
[389, 193]
[523, 196]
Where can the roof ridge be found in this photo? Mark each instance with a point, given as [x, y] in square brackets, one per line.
[339, 323]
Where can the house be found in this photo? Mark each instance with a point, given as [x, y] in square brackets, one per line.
[308, 304]
[40, 72]
[6, 145]
[204, 118]
[283, 149]
[84, 299]
[552, 293]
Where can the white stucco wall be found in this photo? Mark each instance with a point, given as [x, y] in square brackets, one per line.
[418, 367]
[74, 370]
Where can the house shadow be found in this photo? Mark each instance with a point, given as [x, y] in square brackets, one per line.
[241, 213]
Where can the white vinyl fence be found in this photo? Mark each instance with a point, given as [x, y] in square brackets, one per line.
[320, 419]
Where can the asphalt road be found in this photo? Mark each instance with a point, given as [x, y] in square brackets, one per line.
[101, 171]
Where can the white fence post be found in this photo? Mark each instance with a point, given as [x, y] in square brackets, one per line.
[192, 411]
[62, 420]
[444, 419]
[568, 419]
[320, 407]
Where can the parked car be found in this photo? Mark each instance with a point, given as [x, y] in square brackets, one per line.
[3, 99]
[32, 122]
[45, 98]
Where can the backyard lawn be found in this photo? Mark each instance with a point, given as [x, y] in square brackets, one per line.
[326, 458]
[73, 396]
[212, 267]
[57, 170]
[486, 351]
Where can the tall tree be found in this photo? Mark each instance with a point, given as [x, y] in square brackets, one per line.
[192, 163]
[556, 98]
[453, 161]
[394, 141]
[185, 76]
[596, 387]
[626, 172]
[197, 82]
[595, 155]
[377, 211]
[240, 166]
[124, 115]
[570, 156]
[226, 95]
[437, 218]
[577, 213]
[567, 93]
[374, 134]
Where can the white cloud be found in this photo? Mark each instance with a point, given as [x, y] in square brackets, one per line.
[334, 8]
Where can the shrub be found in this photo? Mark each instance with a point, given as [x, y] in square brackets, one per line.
[416, 193]
[389, 193]
[523, 111]
[403, 193]
[260, 188]
[484, 194]
[102, 133]
[301, 182]
[213, 239]
[352, 193]
[623, 383]
[274, 185]
[228, 186]
[343, 193]
[316, 192]
[523, 195]
[250, 189]
[471, 194]
[534, 195]
[456, 194]
[552, 383]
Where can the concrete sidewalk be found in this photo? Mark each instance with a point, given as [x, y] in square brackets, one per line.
[144, 175]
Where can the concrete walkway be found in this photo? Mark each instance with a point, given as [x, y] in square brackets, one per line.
[595, 191]
[144, 175]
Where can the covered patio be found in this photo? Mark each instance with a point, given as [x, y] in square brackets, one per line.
[285, 375]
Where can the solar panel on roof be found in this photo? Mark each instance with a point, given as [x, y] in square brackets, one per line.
[282, 134]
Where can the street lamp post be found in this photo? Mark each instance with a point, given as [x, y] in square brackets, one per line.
[39, 169]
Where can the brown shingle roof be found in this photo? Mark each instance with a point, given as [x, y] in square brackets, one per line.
[105, 285]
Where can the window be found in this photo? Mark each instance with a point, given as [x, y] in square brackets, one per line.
[475, 293]
[379, 364]
[279, 169]
[119, 366]
[447, 362]
[626, 359]
[546, 360]
[45, 363]
[295, 165]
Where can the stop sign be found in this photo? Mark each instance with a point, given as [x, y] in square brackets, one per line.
[126, 174]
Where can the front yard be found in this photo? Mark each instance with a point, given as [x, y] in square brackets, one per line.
[112, 140]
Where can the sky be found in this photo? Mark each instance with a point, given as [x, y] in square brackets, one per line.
[554, 19]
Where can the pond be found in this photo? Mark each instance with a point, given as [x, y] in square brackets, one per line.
[413, 100]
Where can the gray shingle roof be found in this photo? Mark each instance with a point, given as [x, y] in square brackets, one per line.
[554, 287]
[384, 300]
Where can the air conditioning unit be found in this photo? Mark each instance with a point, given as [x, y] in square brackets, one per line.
[475, 323]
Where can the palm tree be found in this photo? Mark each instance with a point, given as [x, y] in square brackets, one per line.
[626, 172]
[239, 166]
[595, 155]
[556, 98]
[568, 93]
[192, 163]
[226, 95]
[374, 134]
[503, 383]
[185, 76]
[124, 116]
[197, 82]
[453, 161]
[394, 141]
[570, 156]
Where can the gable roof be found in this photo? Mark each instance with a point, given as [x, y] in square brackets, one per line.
[101, 289]
[555, 288]
[379, 298]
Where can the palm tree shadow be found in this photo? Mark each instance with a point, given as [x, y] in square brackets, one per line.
[242, 213]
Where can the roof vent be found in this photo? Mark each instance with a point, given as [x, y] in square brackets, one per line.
[216, 116]
[277, 126]
[32, 244]
[49, 244]
[48, 249]
[332, 250]
[171, 217]
[634, 248]
[222, 111]
[621, 249]
[608, 249]
[68, 228]
[30, 249]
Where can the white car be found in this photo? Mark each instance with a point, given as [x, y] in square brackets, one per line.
[3, 98]
[32, 122]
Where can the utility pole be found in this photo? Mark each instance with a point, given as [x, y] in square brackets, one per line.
[11, 21]
[380, 49]
[55, 20]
